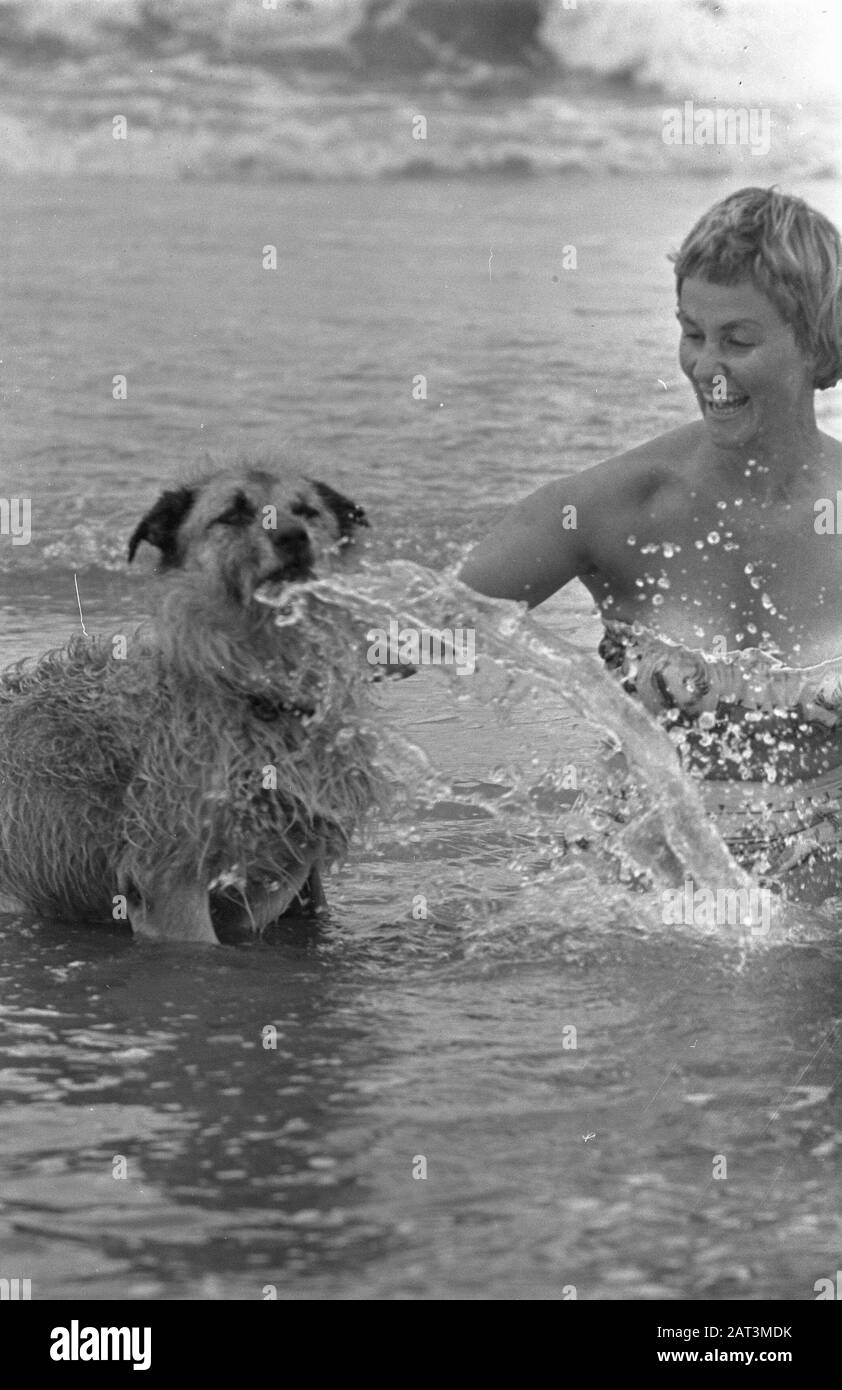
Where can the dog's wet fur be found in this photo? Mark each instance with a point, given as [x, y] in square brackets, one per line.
[200, 781]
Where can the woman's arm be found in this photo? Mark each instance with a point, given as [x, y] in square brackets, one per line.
[536, 549]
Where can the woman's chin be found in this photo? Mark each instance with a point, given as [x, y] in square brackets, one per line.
[732, 428]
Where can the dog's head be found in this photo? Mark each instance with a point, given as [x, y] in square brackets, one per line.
[247, 527]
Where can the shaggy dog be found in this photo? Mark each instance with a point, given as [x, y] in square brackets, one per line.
[197, 777]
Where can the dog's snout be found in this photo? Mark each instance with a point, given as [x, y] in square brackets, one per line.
[290, 532]
[292, 543]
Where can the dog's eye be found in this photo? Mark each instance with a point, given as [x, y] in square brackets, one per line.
[240, 513]
[301, 508]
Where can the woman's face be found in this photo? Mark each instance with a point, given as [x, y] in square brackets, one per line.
[752, 381]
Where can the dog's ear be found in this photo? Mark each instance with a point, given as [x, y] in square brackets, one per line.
[160, 525]
[348, 514]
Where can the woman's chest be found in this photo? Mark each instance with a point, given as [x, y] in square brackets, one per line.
[775, 585]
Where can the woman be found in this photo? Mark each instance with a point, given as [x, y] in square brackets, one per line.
[712, 550]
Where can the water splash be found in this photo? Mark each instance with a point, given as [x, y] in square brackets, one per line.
[531, 796]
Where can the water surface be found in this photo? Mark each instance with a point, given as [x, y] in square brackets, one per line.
[398, 1037]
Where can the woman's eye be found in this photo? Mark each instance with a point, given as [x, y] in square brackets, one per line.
[731, 342]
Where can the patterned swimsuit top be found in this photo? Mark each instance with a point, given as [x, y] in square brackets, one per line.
[667, 676]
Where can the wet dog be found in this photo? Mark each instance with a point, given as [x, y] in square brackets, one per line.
[198, 776]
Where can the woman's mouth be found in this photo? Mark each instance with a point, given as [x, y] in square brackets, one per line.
[719, 409]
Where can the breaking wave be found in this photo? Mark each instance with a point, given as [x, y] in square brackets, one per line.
[295, 89]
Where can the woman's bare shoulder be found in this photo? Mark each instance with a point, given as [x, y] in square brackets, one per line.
[638, 471]
[831, 447]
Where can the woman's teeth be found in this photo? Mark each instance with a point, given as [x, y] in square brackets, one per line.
[722, 409]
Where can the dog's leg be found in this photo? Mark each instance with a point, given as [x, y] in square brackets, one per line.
[303, 897]
[236, 918]
[180, 912]
[311, 897]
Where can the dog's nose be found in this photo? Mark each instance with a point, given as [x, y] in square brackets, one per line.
[292, 543]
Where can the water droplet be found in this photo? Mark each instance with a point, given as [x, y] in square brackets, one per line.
[755, 581]
[632, 540]
[752, 628]
[657, 599]
[749, 568]
[722, 506]
[713, 538]
[700, 545]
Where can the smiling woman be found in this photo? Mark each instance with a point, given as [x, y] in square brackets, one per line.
[704, 538]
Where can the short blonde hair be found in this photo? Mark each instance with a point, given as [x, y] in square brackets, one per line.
[790, 252]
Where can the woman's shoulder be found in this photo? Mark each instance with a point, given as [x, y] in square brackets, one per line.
[831, 447]
[636, 473]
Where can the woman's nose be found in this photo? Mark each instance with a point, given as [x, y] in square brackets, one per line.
[707, 364]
